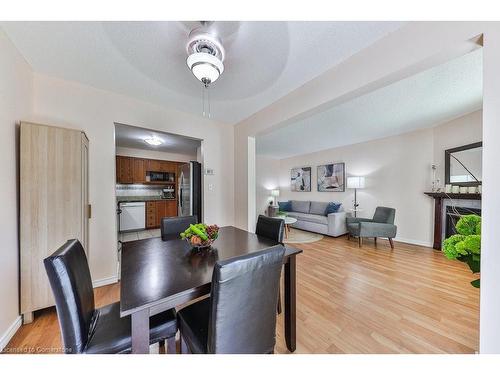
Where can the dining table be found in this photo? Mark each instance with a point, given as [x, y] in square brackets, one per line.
[158, 275]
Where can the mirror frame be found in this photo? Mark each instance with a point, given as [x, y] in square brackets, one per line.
[447, 163]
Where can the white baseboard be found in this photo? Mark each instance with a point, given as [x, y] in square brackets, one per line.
[106, 281]
[11, 331]
[414, 242]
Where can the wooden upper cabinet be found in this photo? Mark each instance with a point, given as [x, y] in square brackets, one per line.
[124, 170]
[139, 170]
[153, 165]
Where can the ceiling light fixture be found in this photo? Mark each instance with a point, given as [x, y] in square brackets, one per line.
[153, 141]
[205, 60]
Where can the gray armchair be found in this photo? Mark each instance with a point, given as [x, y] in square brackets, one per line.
[382, 225]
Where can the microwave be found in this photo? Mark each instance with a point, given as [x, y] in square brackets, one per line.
[160, 176]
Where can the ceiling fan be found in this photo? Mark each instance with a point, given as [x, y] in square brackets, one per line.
[205, 58]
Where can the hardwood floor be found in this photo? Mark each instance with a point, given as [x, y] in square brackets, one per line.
[352, 300]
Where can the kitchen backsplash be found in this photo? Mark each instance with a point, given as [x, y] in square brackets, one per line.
[137, 190]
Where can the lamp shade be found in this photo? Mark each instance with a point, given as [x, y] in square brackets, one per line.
[355, 182]
[275, 193]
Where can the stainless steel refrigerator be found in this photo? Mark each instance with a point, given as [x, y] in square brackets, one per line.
[190, 190]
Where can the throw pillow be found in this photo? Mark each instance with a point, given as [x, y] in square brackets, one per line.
[332, 207]
[285, 206]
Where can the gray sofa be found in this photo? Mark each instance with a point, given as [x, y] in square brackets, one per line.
[311, 216]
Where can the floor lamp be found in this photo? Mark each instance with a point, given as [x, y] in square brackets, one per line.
[355, 182]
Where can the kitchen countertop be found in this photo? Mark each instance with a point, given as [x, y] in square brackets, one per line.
[141, 198]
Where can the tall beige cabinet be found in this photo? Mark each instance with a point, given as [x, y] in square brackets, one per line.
[53, 204]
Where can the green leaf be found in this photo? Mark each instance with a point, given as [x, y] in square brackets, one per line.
[468, 225]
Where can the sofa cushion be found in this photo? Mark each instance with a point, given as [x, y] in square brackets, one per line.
[318, 208]
[301, 206]
[285, 206]
[332, 208]
[311, 218]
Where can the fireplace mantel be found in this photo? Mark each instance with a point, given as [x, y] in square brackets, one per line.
[438, 211]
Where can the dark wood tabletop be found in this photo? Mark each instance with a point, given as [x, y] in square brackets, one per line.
[169, 273]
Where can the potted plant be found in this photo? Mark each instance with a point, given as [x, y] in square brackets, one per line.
[465, 246]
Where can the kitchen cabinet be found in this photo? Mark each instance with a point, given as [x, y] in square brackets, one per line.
[150, 214]
[153, 165]
[156, 210]
[54, 204]
[124, 170]
[139, 170]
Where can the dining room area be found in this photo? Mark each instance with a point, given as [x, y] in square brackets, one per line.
[196, 289]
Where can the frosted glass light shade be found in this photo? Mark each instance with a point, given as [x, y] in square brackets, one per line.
[153, 141]
[205, 67]
[275, 193]
[355, 182]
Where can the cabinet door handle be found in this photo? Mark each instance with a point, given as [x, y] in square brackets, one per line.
[89, 211]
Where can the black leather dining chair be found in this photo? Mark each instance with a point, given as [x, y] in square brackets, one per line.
[270, 227]
[175, 225]
[84, 328]
[274, 229]
[240, 314]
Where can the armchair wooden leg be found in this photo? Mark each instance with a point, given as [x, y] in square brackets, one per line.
[360, 241]
[279, 301]
[392, 243]
[375, 239]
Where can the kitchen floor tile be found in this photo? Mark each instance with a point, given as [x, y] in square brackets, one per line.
[131, 236]
[143, 234]
[155, 232]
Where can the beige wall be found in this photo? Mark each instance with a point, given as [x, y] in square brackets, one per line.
[152, 154]
[397, 171]
[95, 111]
[16, 82]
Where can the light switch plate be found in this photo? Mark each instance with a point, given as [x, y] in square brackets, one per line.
[209, 171]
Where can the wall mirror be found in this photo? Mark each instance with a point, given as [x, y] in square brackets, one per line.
[463, 165]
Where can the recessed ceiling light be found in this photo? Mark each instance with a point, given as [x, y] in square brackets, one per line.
[153, 141]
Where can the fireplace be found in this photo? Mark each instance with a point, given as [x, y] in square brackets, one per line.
[453, 214]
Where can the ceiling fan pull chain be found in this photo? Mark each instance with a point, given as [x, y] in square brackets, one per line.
[209, 109]
[203, 99]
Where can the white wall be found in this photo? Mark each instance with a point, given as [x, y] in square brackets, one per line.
[95, 111]
[397, 171]
[267, 178]
[153, 154]
[16, 89]
[459, 132]
[490, 211]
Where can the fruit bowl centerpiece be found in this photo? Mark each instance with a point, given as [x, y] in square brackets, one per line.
[201, 236]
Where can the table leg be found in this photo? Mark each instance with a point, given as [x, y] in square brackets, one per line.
[290, 304]
[287, 229]
[140, 332]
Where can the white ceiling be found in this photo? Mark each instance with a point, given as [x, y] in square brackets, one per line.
[424, 100]
[146, 60]
[133, 137]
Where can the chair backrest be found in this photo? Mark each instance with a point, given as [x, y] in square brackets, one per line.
[270, 227]
[175, 225]
[69, 277]
[384, 215]
[243, 303]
